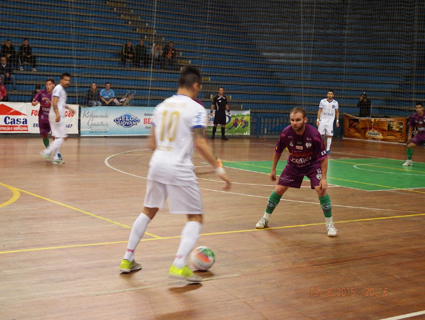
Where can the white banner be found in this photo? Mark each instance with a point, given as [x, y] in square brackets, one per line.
[116, 121]
[21, 117]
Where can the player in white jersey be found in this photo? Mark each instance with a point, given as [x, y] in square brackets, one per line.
[178, 126]
[57, 119]
[328, 111]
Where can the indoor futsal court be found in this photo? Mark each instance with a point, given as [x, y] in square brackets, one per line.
[64, 230]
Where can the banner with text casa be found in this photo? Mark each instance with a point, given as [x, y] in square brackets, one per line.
[381, 129]
[116, 121]
[21, 117]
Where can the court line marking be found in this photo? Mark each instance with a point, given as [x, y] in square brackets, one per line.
[165, 284]
[375, 166]
[405, 316]
[79, 210]
[217, 233]
[406, 173]
[242, 194]
[15, 195]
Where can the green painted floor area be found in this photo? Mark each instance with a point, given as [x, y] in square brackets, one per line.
[363, 174]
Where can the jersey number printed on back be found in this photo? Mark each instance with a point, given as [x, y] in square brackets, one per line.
[170, 122]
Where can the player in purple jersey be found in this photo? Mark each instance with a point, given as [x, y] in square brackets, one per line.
[416, 120]
[307, 157]
[44, 98]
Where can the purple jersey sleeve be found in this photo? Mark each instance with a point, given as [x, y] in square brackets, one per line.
[417, 121]
[44, 98]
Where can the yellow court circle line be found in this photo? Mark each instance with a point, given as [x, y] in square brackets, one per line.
[15, 195]
[217, 233]
[76, 209]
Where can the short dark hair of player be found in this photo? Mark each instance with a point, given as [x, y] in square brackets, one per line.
[51, 80]
[189, 76]
[330, 90]
[66, 74]
[419, 103]
[25, 39]
[220, 87]
[107, 83]
[298, 110]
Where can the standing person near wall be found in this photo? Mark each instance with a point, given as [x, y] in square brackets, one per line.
[220, 105]
[57, 119]
[328, 111]
[364, 105]
[416, 120]
[44, 98]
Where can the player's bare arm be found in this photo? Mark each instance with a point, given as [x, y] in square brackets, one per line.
[70, 109]
[55, 108]
[318, 116]
[324, 166]
[337, 117]
[152, 141]
[205, 151]
[409, 135]
[276, 158]
[34, 102]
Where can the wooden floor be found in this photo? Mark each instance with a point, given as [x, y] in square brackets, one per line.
[64, 229]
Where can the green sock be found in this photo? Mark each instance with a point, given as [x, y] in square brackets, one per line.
[326, 205]
[46, 142]
[272, 202]
[409, 153]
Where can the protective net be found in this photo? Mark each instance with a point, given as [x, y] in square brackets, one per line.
[268, 55]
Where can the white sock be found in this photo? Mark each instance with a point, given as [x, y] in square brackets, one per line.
[328, 143]
[136, 234]
[190, 235]
[267, 216]
[328, 221]
[56, 144]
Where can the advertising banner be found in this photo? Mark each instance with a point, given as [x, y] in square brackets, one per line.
[21, 117]
[116, 121]
[381, 129]
[237, 124]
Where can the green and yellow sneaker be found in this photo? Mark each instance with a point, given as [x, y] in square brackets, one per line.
[184, 274]
[127, 266]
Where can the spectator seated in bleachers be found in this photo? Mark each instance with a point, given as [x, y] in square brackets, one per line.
[107, 96]
[8, 51]
[6, 74]
[3, 93]
[26, 56]
[141, 56]
[127, 53]
[170, 56]
[93, 96]
[157, 56]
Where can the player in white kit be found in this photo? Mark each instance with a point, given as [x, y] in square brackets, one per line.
[57, 119]
[328, 111]
[178, 125]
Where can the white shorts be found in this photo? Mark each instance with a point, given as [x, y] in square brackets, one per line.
[181, 199]
[326, 129]
[58, 128]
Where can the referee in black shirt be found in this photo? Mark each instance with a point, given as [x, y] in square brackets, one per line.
[220, 104]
